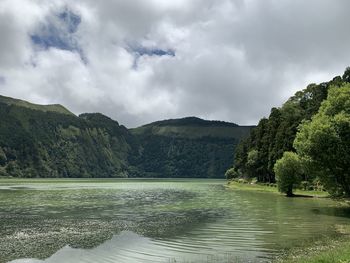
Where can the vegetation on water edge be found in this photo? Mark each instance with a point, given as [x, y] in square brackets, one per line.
[305, 142]
[335, 250]
[241, 184]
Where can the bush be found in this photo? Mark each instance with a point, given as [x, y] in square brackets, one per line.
[305, 185]
[232, 173]
[288, 172]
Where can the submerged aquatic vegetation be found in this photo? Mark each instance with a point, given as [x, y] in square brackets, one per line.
[184, 220]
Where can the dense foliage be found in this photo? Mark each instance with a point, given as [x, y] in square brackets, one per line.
[188, 147]
[324, 142]
[182, 157]
[289, 171]
[36, 143]
[49, 141]
[256, 155]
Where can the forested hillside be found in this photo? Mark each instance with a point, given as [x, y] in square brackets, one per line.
[40, 143]
[50, 141]
[257, 154]
[45, 108]
[187, 147]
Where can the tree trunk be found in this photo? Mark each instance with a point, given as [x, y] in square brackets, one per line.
[289, 192]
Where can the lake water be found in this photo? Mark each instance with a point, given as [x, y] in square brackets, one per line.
[154, 221]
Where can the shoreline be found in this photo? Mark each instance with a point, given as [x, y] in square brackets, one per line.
[335, 249]
[272, 189]
[332, 249]
[234, 185]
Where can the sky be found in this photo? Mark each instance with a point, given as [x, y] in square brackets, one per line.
[139, 61]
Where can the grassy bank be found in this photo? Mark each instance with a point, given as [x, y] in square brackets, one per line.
[272, 189]
[335, 250]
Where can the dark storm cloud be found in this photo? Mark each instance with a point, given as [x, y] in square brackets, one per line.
[229, 60]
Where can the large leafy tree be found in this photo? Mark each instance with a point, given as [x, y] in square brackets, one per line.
[325, 141]
[288, 170]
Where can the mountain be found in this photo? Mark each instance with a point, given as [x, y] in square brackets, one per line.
[45, 108]
[193, 127]
[50, 141]
[187, 147]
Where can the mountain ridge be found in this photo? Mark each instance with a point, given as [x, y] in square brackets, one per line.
[192, 127]
[190, 120]
[23, 103]
[50, 141]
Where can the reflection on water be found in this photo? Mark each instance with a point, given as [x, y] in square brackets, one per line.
[155, 221]
[131, 247]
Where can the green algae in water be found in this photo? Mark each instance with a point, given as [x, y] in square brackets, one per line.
[154, 221]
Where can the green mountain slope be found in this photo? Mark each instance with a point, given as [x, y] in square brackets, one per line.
[49, 141]
[193, 128]
[46, 108]
[188, 147]
[45, 143]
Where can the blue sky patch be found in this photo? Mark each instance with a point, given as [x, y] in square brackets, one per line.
[58, 32]
[140, 51]
[71, 20]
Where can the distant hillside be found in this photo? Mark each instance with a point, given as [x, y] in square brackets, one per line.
[21, 103]
[192, 121]
[188, 147]
[50, 141]
[36, 142]
[192, 127]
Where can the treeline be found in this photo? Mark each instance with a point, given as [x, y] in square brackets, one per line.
[256, 156]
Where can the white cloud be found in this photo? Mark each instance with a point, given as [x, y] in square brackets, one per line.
[233, 60]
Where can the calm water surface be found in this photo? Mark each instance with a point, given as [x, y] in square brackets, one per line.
[154, 221]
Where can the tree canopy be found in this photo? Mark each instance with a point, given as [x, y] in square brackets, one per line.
[325, 141]
[288, 170]
[322, 142]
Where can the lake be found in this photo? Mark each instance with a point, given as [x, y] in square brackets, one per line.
[134, 220]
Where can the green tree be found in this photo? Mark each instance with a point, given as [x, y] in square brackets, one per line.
[232, 173]
[288, 172]
[325, 141]
[3, 157]
[346, 76]
[275, 135]
[252, 161]
[12, 169]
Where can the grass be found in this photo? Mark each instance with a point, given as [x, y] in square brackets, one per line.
[22, 103]
[326, 251]
[272, 189]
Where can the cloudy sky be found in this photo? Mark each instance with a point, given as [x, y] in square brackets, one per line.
[139, 61]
